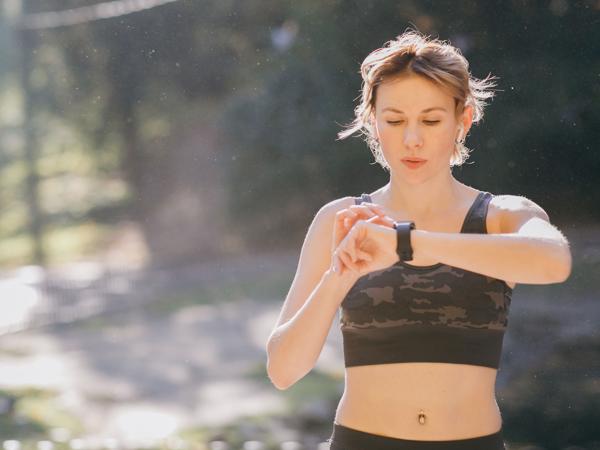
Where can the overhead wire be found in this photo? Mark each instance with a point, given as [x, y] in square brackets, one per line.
[85, 14]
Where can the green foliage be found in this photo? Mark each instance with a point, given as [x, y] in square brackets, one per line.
[36, 412]
[282, 138]
[106, 93]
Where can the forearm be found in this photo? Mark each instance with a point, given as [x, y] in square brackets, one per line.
[295, 346]
[508, 256]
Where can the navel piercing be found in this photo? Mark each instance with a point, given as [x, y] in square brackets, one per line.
[421, 417]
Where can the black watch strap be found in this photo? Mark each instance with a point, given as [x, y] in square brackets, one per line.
[403, 246]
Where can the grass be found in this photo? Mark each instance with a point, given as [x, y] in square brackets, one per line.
[63, 244]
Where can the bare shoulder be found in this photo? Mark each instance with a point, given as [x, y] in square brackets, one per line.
[315, 257]
[331, 208]
[507, 202]
[325, 217]
[507, 212]
[320, 232]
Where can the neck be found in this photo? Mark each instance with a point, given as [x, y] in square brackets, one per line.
[424, 199]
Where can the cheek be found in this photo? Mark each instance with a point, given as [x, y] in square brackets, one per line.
[387, 133]
[441, 131]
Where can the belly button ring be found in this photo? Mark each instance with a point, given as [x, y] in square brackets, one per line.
[421, 417]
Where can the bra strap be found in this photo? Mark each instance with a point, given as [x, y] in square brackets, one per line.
[363, 198]
[476, 221]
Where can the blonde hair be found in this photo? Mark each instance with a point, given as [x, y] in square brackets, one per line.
[435, 60]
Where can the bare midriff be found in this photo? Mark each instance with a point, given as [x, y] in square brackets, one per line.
[420, 401]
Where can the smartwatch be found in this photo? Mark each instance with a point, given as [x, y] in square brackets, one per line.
[403, 247]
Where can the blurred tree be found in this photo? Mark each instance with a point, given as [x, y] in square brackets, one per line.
[122, 75]
[27, 40]
[285, 150]
[227, 108]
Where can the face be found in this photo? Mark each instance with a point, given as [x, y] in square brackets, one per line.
[416, 118]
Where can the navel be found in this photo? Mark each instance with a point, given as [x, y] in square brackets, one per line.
[421, 417]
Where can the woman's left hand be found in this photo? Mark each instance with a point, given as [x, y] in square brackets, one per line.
[369, 246]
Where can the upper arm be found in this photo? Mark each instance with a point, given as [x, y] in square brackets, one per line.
[523, 216]
[315, 258]
[518, 214]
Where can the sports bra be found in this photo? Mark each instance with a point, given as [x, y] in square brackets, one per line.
[435, 313]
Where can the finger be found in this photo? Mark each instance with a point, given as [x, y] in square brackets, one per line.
[356, 236]
[347, 219]
[364, 210]
[347, 261]
[385, 220]
[340, 262]
[340, 227]
[343, 267]
[365, 255]
[350, 245]
[375, 207]
[343, 214]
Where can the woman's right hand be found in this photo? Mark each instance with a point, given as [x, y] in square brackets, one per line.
[344, 221]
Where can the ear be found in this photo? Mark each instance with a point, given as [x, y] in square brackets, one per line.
[466, 121]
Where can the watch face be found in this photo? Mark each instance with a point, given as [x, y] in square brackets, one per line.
[407, 223]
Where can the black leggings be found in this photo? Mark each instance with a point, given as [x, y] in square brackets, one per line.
[344, 438]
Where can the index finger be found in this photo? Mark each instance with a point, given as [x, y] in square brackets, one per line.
[372, 205]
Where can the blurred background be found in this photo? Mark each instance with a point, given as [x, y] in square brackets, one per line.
[160, 162]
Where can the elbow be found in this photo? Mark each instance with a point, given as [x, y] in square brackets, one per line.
[567, 267]
[283, 369]
[561, 265]
[281, 386]
[277, 379]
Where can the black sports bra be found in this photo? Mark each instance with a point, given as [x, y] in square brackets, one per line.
[435, 313]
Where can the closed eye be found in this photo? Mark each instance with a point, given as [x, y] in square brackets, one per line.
[428, 122]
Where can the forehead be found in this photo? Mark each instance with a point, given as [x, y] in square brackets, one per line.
[412, 94]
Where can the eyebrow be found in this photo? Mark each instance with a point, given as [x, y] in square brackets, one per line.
[391, 108]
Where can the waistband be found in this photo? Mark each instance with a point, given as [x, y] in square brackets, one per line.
[344, 438]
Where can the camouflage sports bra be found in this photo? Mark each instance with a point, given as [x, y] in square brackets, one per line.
[435, 313]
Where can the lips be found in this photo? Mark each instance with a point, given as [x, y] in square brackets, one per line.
[414, 159]
[414, 164]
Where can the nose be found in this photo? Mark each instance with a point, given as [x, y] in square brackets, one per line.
[412, 138]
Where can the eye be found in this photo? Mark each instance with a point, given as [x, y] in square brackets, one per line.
[428, 122]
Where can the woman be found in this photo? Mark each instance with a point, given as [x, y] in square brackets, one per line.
[422, 340]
